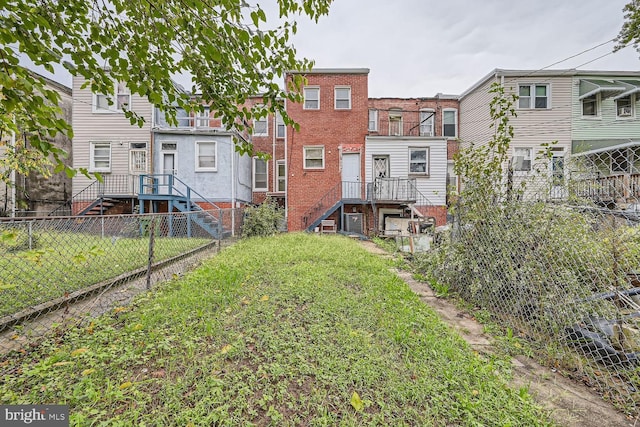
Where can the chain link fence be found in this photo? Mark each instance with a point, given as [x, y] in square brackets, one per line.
[60, 271]
[556, 260]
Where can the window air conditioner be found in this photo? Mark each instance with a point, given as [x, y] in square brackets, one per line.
[624, 111]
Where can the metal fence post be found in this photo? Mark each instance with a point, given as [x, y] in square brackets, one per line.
[152, 233]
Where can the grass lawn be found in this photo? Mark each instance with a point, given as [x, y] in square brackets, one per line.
[65, 262]
[291, 330]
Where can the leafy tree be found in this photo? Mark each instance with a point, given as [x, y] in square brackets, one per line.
[630, 31]
[226, 45]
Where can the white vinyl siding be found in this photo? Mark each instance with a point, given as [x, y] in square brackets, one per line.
[395, 152]
[100, 157]
[206, 156]
[314, 157]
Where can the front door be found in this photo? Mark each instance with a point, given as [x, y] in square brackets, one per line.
[168, 166]
[351, 176]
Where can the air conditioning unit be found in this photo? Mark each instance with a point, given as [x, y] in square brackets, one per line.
[624, 111]
[353, 223]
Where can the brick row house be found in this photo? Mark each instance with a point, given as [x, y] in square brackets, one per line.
[353, 160]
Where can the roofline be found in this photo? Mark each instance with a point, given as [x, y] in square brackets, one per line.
[331, 71]
[50, 82]
[569, 72]
[631, 143]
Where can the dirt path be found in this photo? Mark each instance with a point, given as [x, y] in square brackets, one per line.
[571, 404]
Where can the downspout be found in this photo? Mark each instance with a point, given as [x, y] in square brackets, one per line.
[233, 187]
[274, 181]
[286, 172]
[12, 178]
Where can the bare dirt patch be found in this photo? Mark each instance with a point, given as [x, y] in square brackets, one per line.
[571, 404]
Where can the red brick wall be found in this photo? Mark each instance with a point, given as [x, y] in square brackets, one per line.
[410, 108]
[333, 129]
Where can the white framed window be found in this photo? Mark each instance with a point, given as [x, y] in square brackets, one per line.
[426, 122]
[261, 127]
[311, 98]
[419, 161]
[522, 158]
[281, 129]
[342, 97]
[450, 122]
[314, 157]
[373, 120]
[113, 102]
[100, 157]
[533, 96]
[281, 170]
[395, 122]
[206, 156]
[624, 107]
[591, 106]
[260, 174]
[138, 157]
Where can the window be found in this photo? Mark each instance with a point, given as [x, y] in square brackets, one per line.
[419, 161]
[449, 123]
[311, 98]
[532, 96]
[426, 122]
[395, 122]
[113, 102]
[624, 107]
[373, 120]
[260, 175]
[590, 106]
[522, 159]
[280, 126]
[138, 157]
[206, 156]
[282, 175]
[100, 157]
[381, 166]
[314, 157]
[342, 98]
[260, 127]
[452, 178]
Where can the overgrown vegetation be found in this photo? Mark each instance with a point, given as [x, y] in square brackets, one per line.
[295, 329]
[46, 265]
[552, 273]
[262, 220]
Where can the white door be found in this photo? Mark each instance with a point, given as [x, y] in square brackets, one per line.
[168, 166]
[351, 176]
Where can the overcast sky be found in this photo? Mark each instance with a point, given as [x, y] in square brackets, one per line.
[421, 47]
[418, 48]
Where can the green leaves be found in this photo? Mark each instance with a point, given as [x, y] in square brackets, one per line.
[228, 49]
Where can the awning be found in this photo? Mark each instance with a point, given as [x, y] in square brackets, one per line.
[589, 87]
[632, 86]
[597, 147]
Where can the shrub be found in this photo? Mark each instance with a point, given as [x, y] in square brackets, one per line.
[262, 220]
